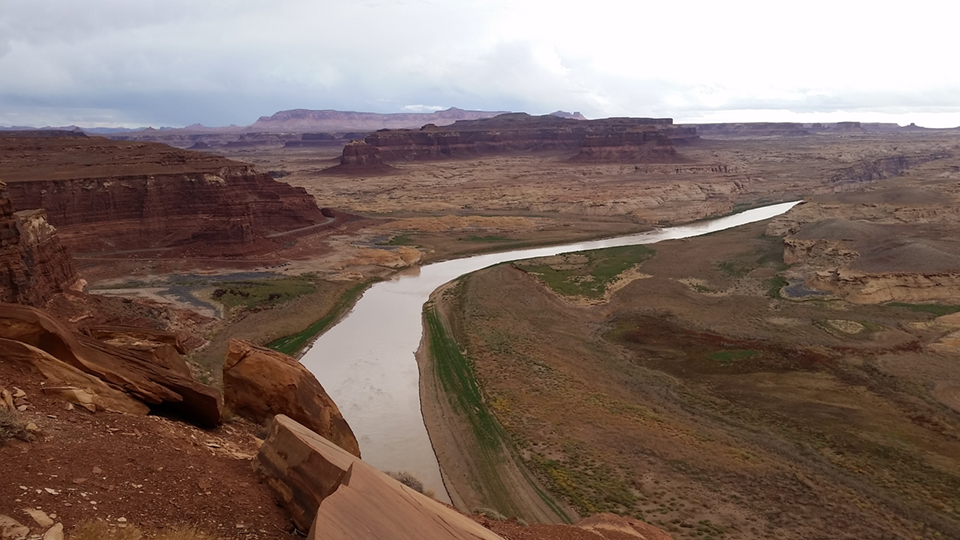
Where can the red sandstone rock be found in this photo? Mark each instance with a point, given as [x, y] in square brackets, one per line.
[161, 347]
[259, 383]
[107, 195]
[69, 382]
[637, 139]
[337, 496]
[33, 264]
[162, 388]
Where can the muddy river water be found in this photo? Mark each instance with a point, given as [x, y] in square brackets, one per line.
[366, 362]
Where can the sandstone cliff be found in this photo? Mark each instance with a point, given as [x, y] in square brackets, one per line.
[610, 139]
[109, 196]
[33, 264]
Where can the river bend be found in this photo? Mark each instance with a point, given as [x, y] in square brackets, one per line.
[367, 365]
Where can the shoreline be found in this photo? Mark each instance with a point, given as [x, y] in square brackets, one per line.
[500, 482]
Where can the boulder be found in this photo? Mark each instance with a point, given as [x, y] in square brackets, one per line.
[338, 496]
[162, 388]
[11, 528]
[259, 383]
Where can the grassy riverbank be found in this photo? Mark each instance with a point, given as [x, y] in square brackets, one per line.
[291, 324]
[293, 343]
[481, 467]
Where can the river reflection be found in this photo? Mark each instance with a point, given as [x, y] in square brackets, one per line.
[366, 362]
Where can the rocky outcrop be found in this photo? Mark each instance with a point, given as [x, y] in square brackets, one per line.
[68, 382]
[361, 153]
[33, 265]
[335, 495]
[614, 139]
[259, 383]
[892, 243]
[360, 157]
[870, 170]
[106, 195]
[162, 389]
[160, 347]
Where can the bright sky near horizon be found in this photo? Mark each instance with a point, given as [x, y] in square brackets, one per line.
[218, 62]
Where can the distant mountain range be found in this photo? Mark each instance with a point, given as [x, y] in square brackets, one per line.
[306, 120]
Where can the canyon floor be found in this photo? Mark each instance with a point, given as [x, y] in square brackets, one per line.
[697, 395]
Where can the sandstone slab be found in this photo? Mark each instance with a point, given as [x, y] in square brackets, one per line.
[338, 496]
[259, 383]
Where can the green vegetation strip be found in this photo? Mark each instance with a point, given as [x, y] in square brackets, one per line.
[250, 294]
[457, 378]
[731, 356]
[591, 278]
[293, 343]
[935, 309]
[399, 240]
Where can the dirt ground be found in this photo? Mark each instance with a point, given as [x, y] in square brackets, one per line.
[703, 403]
[143, 471]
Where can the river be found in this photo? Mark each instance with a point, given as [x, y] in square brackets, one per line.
[366, 362]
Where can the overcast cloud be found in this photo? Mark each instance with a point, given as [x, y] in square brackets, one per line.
[219, 62]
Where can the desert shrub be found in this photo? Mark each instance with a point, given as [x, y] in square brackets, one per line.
[407, 479]
[490, 513]
[12, 426]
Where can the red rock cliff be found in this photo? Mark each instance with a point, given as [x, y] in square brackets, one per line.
[33, 264]
[108, 195]
[610, 139]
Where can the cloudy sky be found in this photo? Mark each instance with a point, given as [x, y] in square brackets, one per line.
[218, 62]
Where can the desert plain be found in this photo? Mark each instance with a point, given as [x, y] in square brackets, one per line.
[794, 378]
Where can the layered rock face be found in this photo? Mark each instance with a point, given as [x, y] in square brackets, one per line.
[362, 154]
[259, 383]
[611, 139]
[33, 264]
[107, 195]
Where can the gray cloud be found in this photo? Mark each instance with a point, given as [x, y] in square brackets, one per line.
[220, 62]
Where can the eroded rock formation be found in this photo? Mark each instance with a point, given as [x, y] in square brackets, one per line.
[259, 383]
[131, 372]
[107, 195]
[33, 264]
[610, 139]
[891, 243]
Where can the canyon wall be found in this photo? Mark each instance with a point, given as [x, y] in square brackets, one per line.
[110, 196]
[611, 139]
[33, 264]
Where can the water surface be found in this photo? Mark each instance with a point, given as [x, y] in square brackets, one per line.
[366, 362]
